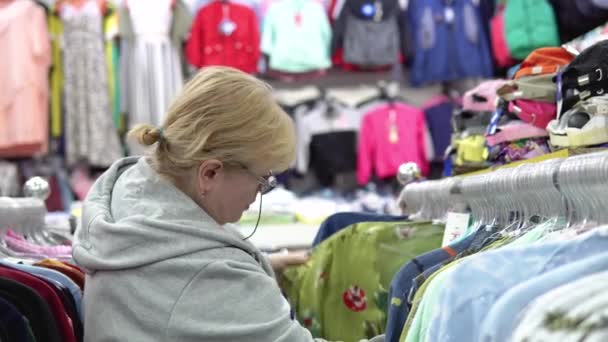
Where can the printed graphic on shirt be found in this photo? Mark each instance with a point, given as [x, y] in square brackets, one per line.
[355, 299]
[311, 322]
[381, 298]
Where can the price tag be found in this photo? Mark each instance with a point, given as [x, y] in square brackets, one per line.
[455, 226]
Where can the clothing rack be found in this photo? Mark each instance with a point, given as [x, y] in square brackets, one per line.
[572, 187]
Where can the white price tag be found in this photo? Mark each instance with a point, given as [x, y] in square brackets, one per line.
[455, 226]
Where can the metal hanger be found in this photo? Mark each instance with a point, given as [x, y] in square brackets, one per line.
[518, 199]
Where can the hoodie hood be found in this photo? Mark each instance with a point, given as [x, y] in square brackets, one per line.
[133, 217]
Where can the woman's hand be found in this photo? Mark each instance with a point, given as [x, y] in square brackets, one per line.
[282, 260]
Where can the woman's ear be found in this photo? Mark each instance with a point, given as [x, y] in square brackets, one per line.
[208, 173]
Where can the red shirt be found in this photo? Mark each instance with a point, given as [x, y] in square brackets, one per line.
[208, 45]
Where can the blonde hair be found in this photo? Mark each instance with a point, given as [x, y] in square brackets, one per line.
[222, 114]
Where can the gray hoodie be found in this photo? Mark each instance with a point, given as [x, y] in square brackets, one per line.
[160, 269]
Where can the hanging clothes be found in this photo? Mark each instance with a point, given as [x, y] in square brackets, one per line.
[450, 40]
[327, 140]
[256, 6]
[288, 24]
[391, 135]
[56, 31]
[110, 29]
[401, 284]
[545, 317]
[51, 295]
[225, 33]
[47, 304]
[438, 113]
[151, 67]
[461, 311]
[341, 293]
[90, 132]
[33, 307]
[9, 179]
[26, 56]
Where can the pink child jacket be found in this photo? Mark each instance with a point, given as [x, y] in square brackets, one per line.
[390, 136]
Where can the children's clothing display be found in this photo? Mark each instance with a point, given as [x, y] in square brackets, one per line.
[384, 96]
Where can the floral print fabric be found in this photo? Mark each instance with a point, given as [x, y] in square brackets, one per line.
[341, 294]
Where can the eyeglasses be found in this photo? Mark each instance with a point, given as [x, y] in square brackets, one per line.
[267, 183]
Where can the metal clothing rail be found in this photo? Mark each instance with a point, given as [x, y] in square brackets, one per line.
[573, 187]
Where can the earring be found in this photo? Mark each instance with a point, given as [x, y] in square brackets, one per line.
[203, 194]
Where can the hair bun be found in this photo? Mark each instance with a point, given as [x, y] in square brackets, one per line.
[146, 134]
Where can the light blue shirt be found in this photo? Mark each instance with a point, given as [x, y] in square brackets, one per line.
[296, 36]
[501, 320]
[478, 282]
[54, 276]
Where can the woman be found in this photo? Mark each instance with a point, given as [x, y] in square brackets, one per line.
[163, 265]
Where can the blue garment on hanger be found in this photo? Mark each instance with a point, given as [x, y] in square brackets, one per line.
[398, 308]
[405, 284]
[450, 40]
[53, 275]
[439, 121]
[339, 221]
[501, 320]
[474, 285]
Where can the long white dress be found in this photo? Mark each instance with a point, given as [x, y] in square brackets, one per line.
[153, 67]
